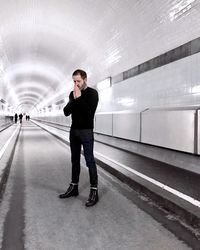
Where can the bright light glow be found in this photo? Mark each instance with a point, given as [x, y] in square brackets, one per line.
[89, 72]
[180, 8]
[11, 92]
[196, 89]
[104, 84]
[105, 96]
[6, 106]
[60, 94]
[33, 94]
[28, 68]
[70, 85]
[53, 98]
[32, 84]
[56, 112]
[113, 57]
[1, 66]
[127, 102]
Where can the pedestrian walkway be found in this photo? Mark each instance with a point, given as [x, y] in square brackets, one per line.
[33, 217]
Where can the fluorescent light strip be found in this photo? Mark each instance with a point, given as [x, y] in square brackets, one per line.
[157, 183]
[2, 151]
[104, 84]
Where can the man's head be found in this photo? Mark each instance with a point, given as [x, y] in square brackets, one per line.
[80, 78]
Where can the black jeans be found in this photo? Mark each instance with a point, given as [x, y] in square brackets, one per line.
[83, 137]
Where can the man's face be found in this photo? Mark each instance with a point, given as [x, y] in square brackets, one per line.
[79, 82]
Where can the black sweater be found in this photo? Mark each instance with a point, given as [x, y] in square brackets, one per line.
[82, 108]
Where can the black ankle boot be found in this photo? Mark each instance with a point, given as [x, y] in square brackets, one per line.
[71, 191]
[93, 197]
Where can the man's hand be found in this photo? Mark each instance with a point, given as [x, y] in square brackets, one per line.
[76, 92]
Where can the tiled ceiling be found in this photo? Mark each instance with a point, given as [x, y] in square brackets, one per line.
[43, 42]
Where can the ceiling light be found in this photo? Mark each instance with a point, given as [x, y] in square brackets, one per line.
[104, 84]
[127, 102]
[180, 8]
[196, 89]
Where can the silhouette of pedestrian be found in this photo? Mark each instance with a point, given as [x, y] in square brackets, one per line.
[20, 118]
[16, 116]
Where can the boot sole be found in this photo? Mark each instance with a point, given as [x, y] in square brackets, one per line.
[68, 196]
[91, 205]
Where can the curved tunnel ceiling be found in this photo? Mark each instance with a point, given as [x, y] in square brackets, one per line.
[43, 42]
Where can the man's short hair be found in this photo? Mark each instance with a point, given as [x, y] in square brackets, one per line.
[80, 72]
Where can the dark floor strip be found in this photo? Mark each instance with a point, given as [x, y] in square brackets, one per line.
[6, 172]
[13, 238]
[2, 128]
[168, 219]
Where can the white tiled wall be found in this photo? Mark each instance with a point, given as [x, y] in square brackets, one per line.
[173, 129]
[175, 84]
[103, 124]
[127, 126]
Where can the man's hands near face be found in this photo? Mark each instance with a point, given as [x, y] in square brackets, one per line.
[76, 92]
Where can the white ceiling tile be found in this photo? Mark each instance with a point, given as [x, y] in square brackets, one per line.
[103, 37]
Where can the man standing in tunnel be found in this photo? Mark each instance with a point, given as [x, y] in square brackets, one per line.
[82, 105]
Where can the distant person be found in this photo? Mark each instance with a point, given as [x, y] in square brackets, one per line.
[82, 105]
[16, 117]
[20, 118]
[28, 117]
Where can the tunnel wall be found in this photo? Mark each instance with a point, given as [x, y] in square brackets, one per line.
[5, 121]
[172, 128]
[175, 84]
